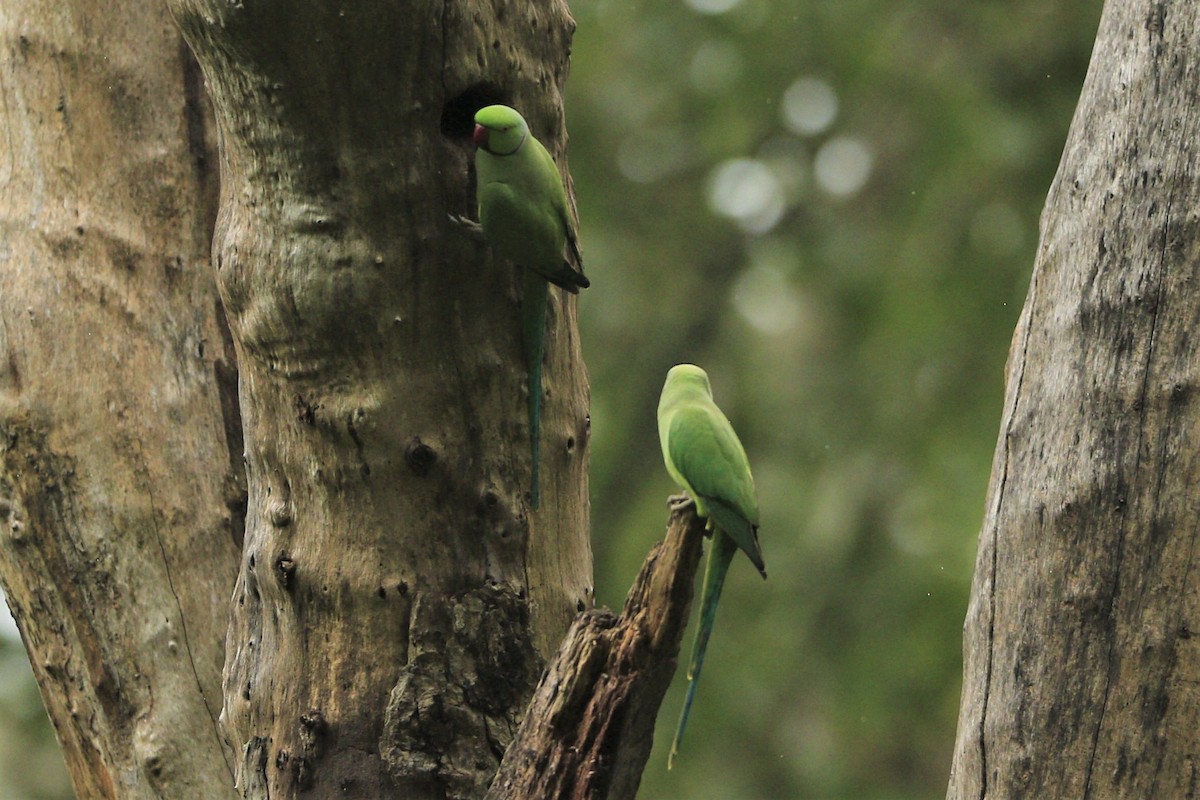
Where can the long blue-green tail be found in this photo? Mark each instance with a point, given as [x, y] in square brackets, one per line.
[533, 337]
[720, 555]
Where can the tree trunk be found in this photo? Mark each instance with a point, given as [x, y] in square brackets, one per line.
[1081, 665]
[397, 596]
[121, 489]
[588, 731]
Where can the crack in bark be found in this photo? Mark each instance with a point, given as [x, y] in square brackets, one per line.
[1158, 484]
[187, 645]
[1137, 468]
[1012, 412]
[1183, 590]
[68, 139]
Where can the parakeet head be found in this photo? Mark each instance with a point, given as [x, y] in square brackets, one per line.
[683, 378]
[499, 130]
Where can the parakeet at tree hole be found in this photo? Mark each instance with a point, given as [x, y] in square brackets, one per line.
[524, 215]
[705, 457]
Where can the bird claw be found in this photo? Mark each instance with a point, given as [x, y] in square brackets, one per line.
[680, 502]
[469, 226]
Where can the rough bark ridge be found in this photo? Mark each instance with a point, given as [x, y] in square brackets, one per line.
[381, 387]
[1082, 665]
[590, 726]
[121, 493]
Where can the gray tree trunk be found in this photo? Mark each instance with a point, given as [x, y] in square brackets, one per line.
[121, 488]
[589, 728]
[395, 597]
[1081, 661]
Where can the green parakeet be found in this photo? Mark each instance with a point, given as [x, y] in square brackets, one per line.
[524, 215]
[704, 456]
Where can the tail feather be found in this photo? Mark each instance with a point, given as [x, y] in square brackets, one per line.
[719, 557]
[742, 531]
[533, 335]
[569, 278]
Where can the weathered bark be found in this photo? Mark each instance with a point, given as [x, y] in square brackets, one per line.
[1082, 667]
[588, 730]
[397, 594]
[121, 493]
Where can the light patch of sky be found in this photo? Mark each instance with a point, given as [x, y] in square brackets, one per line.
[712, 6]
[747, 191]
[8, 625]
[842, 165]
[809, 106]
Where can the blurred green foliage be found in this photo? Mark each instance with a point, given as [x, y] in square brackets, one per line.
[832, 206]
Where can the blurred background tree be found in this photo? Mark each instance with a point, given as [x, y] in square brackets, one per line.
[831, 206]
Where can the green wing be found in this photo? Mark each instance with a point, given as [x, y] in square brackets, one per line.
[558, 200]
[707, 454]
[567, 271]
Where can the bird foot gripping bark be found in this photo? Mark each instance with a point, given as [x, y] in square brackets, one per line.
[469, 226]
[680, 502]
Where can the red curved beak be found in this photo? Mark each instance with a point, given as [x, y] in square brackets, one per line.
[480, 136]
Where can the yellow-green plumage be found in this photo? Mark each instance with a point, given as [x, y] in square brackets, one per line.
[524, 215]
[704, 456]
[522, 203]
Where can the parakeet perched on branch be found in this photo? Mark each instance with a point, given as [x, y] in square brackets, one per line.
[524, 215]
[705, 457]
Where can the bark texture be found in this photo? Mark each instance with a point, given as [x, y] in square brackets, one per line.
[1081, 659]
[121, 489]
[588, 731]
[396, 595]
